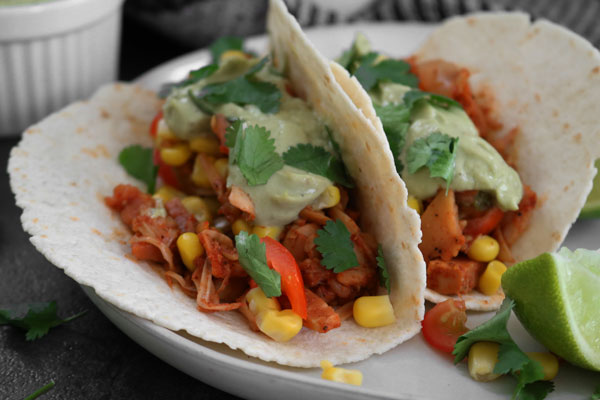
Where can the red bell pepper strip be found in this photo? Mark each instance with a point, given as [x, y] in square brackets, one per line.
[219, 126]
[154, 124]
[281, 260]
[484, 224]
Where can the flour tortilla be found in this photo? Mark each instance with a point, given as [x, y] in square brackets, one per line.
[65, 165]
[546, 81]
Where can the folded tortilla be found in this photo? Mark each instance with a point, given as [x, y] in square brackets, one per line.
[65, 165]
[545, 80]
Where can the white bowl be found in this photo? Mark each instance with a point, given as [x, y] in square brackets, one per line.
[53, 53]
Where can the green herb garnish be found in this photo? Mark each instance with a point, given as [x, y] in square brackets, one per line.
[413, 96]
[510, 358]
[336, 247]
[395, 119]
[369, 73]
[40, 391]
[253, 258]
[384, 275]
[244, 90]
[35, 318]
[253, 150]
[224, 44]
[436, 152]
[317, 160]
[138, 162]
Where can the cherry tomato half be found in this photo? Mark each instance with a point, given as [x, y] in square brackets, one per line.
[444, 323]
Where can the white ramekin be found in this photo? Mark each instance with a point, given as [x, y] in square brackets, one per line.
[53, 53]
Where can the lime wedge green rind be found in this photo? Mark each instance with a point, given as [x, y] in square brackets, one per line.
[591, 209]
[557, 297]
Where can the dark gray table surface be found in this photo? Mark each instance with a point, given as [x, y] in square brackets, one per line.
[88, 358]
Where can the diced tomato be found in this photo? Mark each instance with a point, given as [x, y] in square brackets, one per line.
[154, 125]
[281, 260]
[166, 172]
[444, 324]
[484, 224]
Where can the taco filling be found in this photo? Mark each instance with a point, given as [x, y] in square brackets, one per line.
[457, 169]
[254, 210]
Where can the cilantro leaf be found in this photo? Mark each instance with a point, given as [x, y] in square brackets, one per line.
[413, 96]
[596, 394]
[510, 358]
[138, 162]
[369, 73]
[244, 90]
[254, 152]
[536, 390]
[223, 44]
[253, 258]
[193, 77]
[351, 57]
[384, 276]
[395, 119]
[436, 152]
[336, 247]
[318, 161]
[36, 318]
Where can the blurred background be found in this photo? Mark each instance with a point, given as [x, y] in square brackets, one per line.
[49, 60]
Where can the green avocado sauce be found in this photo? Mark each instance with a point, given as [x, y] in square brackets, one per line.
[478, 165]
[289, 190]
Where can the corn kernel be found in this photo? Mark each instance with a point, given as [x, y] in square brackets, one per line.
[199, 176]
[189, 248]
[483, 357]
[222, 167]
[280, 326]
[198, 207]
[164, 133]
[484, 249]
[329, 198]
[166, 193]
[258, 302]
[548, 361]
[240, 225]
[415, 204]
[231, 54]
[343, 375]
[490, 280]
[206, 144]
[373, 311]
[176, 155]
[262, 231]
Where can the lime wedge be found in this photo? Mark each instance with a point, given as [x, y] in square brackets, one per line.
[557, 300]
[591, 209]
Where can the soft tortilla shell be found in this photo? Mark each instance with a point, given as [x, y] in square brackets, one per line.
[545, 80]
[66, 164]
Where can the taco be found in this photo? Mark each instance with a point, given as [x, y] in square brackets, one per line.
[267, 200]
[493, 126]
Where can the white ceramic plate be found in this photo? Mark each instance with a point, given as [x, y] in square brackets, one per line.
[412, 370]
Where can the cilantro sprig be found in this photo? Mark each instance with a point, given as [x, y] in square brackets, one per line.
[511, 359]
[35, 318]
[40, 391]
[317, 160]
[336, 247]
[370, 73]
[395, 119]
[243, 90]
[253, 150]
[437, 152]
[413, 96]
[224, 44]
[253, 258]
[138, 162]
[384, 275]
